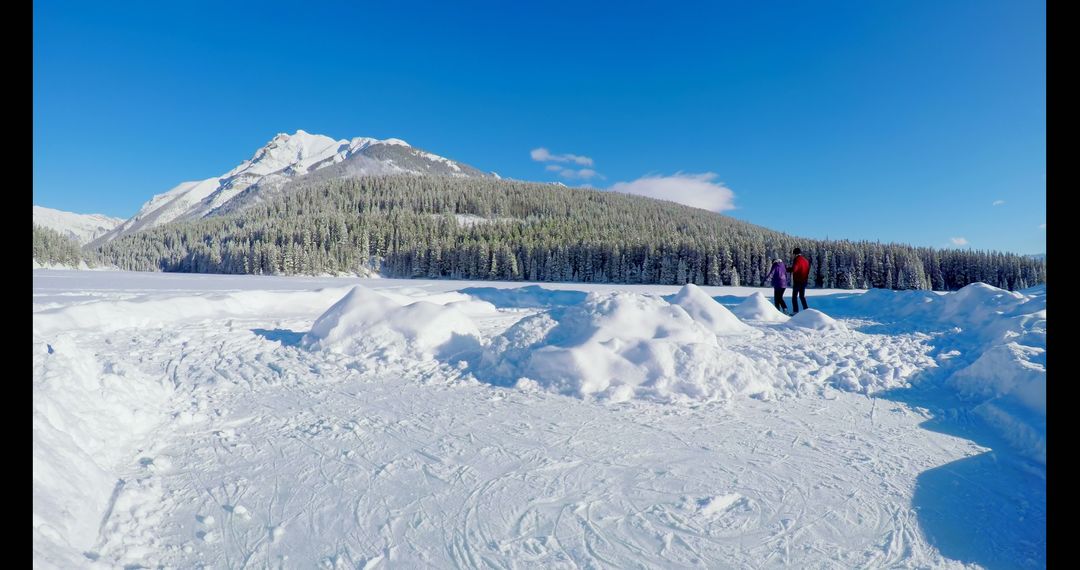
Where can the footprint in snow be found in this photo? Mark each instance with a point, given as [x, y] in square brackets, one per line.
[276, 532]
[711, 506]
[239, 511]
[207, 536]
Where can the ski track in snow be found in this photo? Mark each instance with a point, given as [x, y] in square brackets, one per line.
[269, 455]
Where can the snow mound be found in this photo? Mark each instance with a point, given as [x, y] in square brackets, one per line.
[1009, 368]
[975, 306]
[364, 321]
[996, 350]
[1011, 349]
[706, 311]
[757, 308]
[620, 346]
[978, 304]
[815, 320]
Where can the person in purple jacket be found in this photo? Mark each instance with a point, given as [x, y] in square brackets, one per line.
[778, 276]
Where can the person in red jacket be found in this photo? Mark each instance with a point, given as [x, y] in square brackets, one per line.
[800, 273]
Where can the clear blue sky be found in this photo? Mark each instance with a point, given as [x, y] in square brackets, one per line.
[897, 121]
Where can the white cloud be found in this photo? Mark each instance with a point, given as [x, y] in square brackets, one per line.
[553, 167]
[998, 202]
[544, 155]
[958, 241]
[540, 154]
[583, 174]
[697, 190]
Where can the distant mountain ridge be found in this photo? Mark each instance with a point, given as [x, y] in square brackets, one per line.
[83, 228]
[284, 160]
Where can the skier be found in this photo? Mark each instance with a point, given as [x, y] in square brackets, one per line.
[800, 273]
[778, 276]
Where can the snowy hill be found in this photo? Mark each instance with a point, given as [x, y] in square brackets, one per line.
[286, 158]
[82, 228]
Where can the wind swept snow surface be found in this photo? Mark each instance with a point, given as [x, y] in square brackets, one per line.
[230, 421]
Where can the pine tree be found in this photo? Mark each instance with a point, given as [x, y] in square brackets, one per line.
[733, 277]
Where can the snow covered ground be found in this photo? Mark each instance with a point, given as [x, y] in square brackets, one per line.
[243, 421]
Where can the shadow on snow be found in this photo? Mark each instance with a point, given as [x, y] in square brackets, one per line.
[284, 336]
[988, 509]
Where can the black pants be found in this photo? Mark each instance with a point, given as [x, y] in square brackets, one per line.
[798, 291]
[778, 298]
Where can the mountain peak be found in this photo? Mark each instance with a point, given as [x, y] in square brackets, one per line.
[281, 160]
[299, 136]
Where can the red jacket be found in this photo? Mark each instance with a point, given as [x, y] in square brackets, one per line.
[800, 271]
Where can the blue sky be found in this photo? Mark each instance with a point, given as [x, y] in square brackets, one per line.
[864, 120]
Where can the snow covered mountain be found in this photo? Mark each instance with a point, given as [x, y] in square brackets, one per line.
[82, 228]
[285, 159]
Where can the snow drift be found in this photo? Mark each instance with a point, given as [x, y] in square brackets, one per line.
[364, 322]
[707, 312]
[996, 347]
[757, 308]
[814, 319]
[620, 346]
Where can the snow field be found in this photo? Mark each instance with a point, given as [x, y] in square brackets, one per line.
[242, 428]
[418, 465]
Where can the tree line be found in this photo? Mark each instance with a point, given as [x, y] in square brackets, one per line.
[50, 247]
[411, 226]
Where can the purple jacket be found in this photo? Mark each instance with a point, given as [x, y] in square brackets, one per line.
[778, 275]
